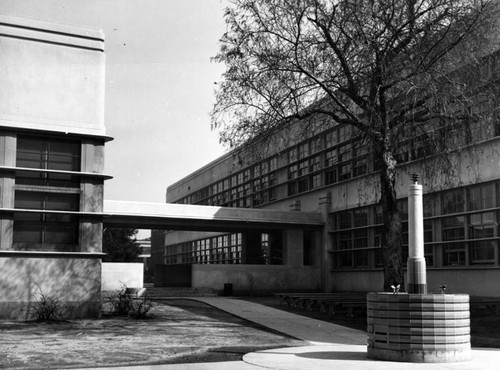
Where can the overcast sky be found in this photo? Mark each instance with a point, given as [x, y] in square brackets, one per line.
[159, 85]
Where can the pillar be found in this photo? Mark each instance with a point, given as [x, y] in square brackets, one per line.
[293, 248]
[417, 280]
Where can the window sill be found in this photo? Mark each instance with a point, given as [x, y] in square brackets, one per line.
[37, 254]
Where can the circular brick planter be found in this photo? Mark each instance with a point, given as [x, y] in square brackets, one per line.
[418, 327]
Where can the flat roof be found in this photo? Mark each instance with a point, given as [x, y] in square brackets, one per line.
[169, 216]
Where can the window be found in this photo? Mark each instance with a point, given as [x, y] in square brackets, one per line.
[273, 164]
[46, 231]
[360, 166]
[316, 145]
[315, 163]
[453, 230]
[453, 201]
[292, 155]
[361, 217]
[303, 150]
[344, 133]
[331, 138]
[331, 167]
[47, 154]
[481, 197]
[482, 226]
[303, 168]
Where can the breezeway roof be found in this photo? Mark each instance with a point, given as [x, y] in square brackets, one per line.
[168, 216]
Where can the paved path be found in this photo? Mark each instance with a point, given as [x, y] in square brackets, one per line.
[332, 346]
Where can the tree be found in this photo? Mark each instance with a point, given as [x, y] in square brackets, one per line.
[384, 68]
[120, 245]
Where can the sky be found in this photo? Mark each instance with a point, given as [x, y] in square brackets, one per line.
[159, 85]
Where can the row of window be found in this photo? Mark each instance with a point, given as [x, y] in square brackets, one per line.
[460, 228]
[325, 159]
[248, 188]
[339, 154]
[222, 249]
[338, 163]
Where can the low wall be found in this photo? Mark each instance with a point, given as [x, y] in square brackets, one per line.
[173, 275]
[475, 282]
[256, 278]
[115, 275]
[75, 282]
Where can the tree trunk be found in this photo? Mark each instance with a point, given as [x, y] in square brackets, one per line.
[391, 238]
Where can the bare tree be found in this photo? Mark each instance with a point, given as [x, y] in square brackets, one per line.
[384, 67]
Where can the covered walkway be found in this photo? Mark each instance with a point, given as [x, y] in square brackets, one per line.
[168, 216]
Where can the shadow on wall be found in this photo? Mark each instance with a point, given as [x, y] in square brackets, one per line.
[74, 282]
[256, 279]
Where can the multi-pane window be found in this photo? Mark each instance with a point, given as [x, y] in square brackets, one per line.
[463, 231]
[453, 201]
[331, 167]
[46, 230]
[49, 222]
[47, 154]
[453, 230]
[331, 138]
[222, 249]
[304, 150]
[482, 226]
[481, 197]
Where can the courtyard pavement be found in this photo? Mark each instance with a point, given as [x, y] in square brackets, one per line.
[331, 346]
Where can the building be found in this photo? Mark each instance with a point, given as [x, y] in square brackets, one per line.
[52, 139]
[331, 172]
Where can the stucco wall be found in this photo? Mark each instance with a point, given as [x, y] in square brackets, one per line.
[115, 275]
[46, 66]
[75, 282]
[256, 278]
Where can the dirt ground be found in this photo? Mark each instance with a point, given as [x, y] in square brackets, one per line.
[178, 332]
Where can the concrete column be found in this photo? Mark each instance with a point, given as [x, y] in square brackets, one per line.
[92, 194]
[293, 248]
[324, 241]
[417, 280]
[8, 145]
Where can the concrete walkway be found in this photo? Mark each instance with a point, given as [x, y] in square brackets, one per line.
[332, 346]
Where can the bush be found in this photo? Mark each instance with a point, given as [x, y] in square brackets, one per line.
[140, 307]
[46, 308]
[127, 302]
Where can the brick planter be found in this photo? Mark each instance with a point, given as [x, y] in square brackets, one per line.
[418, 327]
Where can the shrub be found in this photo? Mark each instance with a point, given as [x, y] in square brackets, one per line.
[46, 308]
[129, 302]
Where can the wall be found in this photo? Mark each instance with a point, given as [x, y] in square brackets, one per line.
[73, 281]
[115, 275]
[50, 66]
[256, 278]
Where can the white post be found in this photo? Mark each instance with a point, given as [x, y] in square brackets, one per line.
[417, 279]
